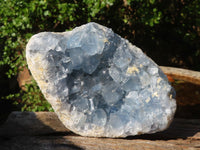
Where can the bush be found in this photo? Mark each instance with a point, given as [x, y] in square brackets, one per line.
[168, 31]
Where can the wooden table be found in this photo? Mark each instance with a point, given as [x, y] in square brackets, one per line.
[43, 131]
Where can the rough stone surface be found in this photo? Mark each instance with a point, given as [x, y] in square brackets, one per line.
[99, 84]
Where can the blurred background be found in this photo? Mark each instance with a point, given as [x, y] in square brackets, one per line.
[168, 31]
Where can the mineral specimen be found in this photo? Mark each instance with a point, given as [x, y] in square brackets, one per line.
[99, 84]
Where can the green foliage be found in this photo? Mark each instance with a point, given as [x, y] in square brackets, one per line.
[31, 99]
[167, 25]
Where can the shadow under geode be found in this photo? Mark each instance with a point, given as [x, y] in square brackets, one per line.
[179, 129]
[33, 131]
[43, 130]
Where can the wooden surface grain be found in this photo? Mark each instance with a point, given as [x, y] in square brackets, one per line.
[43, 130]
[182, 74]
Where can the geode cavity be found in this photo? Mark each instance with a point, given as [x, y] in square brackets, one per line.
[99, 84]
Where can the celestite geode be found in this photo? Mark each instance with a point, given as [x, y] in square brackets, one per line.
[99, 84]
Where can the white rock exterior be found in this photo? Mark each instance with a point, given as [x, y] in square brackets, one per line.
[99, 84]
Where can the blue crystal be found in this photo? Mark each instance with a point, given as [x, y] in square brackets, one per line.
[99, 84]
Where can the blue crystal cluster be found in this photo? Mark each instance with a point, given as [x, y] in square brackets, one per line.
[99, 84]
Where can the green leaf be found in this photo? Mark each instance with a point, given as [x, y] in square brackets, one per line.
[155, 10]
[152, 1]
[47, 13]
